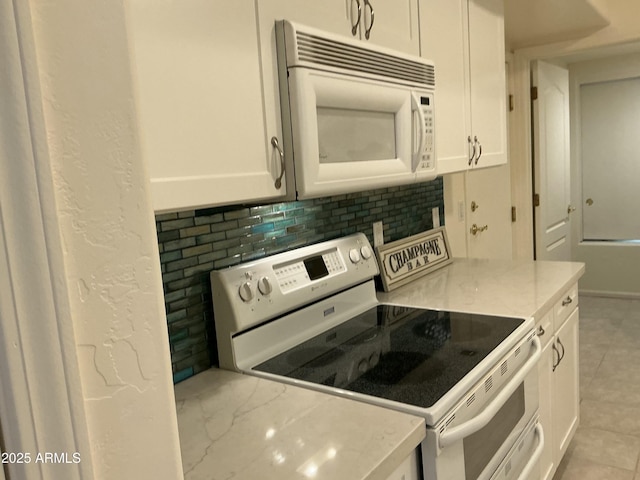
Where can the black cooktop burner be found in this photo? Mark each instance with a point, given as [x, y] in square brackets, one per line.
[404, 354]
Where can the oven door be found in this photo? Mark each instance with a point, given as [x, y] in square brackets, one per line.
[475, 448]
[353, 134]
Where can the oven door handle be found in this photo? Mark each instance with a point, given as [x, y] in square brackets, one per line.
[535, 456]
[465, 429]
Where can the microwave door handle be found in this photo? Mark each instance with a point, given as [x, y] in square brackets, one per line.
[418, 130]
[465, 429]
[535, 456]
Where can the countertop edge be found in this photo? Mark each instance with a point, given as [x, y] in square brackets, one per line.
[561, 291]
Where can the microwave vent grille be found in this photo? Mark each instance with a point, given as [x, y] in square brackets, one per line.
[333, 53]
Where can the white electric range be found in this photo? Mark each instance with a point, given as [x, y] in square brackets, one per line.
[310, 317]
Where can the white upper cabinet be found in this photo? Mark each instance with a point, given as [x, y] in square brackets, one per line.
[204, 125]
[465, 40]
[389, 23]
[488, 80]
[394, 25]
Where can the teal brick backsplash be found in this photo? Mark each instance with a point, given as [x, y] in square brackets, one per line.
[193, 243]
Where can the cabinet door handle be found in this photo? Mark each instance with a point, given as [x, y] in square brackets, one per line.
[541, 331]
[354, 26]
[276, 145]
[555, 364]
[473, 152]
[367, 32]
[567, 301]
[562, 354]
[475, 139]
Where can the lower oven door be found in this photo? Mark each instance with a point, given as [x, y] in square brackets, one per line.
[522, 461]
[475, 448]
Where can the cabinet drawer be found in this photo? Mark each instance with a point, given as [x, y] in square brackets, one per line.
[563, 307]
[545, 328]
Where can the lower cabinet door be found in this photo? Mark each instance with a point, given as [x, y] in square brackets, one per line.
[567, 390]
[545, 383]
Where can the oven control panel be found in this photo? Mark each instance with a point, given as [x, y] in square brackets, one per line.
[254, 292]
[300, 273]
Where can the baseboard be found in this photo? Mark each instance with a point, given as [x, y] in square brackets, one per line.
[599, 293]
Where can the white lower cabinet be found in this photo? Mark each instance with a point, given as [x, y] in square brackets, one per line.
[566, 399]
[408, 470]
[558, 383]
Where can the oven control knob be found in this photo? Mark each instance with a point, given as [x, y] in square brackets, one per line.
[246, 292]
[354, 255]
[264, 285]
[365, 251]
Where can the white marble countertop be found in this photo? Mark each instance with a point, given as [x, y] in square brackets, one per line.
[493, 287]
[235, 426]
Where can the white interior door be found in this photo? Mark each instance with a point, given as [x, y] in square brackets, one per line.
[552, 181]
[488, 195]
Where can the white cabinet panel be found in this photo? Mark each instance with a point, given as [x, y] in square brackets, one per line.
[329, 15]
[488, 81]
[567, 392]
[395, 25]
[444, 40]
[465, 39]
[204, 130]
[559, 384]
[545, 379]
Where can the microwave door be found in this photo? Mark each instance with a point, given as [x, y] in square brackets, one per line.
[349, 134]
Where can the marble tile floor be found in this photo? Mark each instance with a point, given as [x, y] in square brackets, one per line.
[607, 443]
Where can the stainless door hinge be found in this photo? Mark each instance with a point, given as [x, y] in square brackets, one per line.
[534, 93]
[536, 199]
[513, 214]
[511, 107]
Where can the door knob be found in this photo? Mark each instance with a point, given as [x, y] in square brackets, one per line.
[475, 229]
[589, 201]
[474, 206]
[570, 210]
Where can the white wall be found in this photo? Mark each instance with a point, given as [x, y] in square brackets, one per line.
[107, 230]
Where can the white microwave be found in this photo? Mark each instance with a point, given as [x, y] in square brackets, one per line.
[355, 117]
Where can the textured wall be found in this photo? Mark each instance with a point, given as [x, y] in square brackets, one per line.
[194, 243]
[107, 230]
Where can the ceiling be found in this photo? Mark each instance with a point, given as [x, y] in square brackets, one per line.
[538, 22]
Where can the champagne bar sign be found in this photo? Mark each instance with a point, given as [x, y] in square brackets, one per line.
[405, 260]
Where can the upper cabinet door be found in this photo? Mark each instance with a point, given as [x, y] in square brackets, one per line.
[389, 23]
[395, 24]
[465, 39]
[201, 109]
[444, 39]
[330, 15]
[488, 81]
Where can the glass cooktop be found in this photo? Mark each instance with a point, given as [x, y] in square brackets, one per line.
[408, 355]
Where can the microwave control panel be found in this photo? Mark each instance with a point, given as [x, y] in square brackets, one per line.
[427, 157]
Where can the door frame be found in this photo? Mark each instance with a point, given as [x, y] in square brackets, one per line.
[520, 157]
[42, 407]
